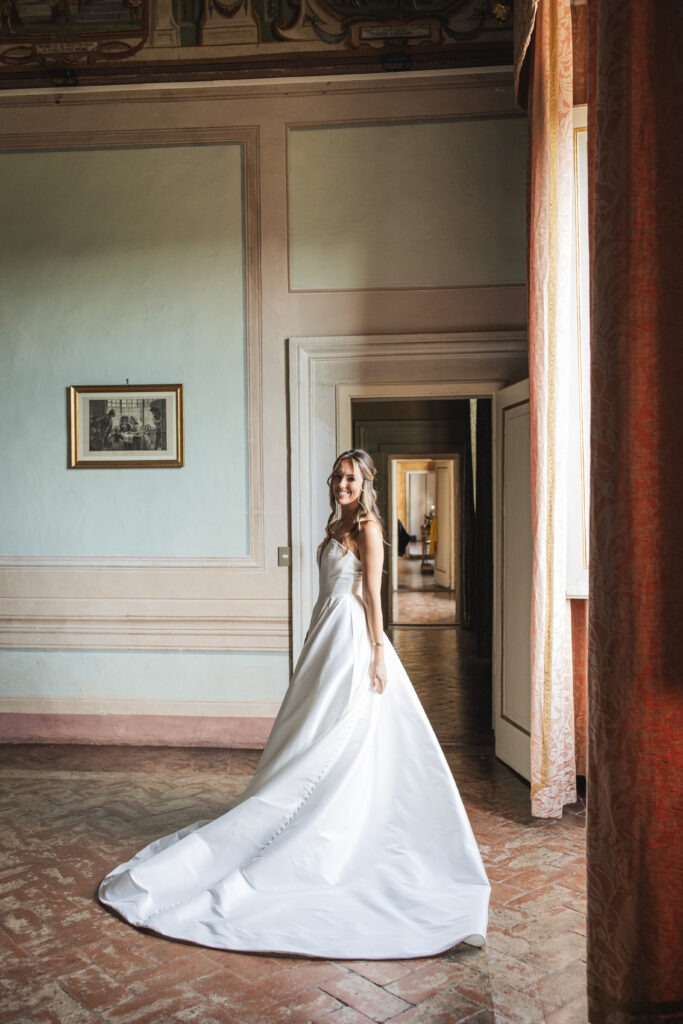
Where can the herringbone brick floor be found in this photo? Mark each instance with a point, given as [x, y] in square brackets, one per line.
[69, 814]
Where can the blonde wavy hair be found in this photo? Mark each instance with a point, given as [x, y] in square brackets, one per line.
[367, 506]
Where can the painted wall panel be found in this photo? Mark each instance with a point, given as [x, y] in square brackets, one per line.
[130, 264]
[427, 204]
[142, 676]
[116, 264]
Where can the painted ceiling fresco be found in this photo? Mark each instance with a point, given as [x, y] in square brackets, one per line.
[72, 41]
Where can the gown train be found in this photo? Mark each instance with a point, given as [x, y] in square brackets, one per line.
[350, 841]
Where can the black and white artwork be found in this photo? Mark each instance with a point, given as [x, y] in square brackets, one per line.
[127, 425]
[134, 426]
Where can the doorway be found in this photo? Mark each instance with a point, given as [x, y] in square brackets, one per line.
[445, 448]
[424, 558]
[437, 592]
[327, 375]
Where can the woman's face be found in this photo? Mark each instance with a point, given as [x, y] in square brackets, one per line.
[347, 485]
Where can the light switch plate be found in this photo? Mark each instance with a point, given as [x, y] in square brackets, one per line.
[284, 556]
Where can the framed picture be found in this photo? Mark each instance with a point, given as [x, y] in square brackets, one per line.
[133, 426]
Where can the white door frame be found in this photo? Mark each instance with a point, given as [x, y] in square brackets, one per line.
[449, 526]
[327, 373]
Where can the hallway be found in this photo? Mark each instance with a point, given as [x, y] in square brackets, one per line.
[68, 814]
[417, 599]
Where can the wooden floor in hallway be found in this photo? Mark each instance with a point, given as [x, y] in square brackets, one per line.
[69, 814]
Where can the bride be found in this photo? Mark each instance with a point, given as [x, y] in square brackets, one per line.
[351, 840]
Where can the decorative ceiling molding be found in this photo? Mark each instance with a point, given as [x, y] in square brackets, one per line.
[69, 43]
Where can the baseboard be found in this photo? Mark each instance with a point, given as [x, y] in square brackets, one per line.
[136, 730]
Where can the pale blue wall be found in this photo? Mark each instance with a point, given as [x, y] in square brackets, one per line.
[120, 264]
[144, 675]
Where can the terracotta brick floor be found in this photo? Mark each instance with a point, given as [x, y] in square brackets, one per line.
[69, 814]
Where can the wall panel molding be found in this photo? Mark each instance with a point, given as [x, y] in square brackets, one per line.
[467, 120]
[248, 138]
[84, 563]
[358, 84]
[258, 632]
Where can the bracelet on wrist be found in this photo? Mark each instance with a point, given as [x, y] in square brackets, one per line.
[377, 643]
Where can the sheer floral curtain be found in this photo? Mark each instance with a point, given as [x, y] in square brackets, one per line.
[543, 75]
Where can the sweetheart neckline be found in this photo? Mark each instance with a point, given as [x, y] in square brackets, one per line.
[339, 543]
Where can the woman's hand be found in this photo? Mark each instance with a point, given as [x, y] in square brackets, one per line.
[378, 672]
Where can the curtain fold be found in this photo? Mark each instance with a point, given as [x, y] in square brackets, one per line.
[635, 799]
[522, 30]
[553, 763]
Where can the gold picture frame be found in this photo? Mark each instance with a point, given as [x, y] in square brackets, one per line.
[130, 426]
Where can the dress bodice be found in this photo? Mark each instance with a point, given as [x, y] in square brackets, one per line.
[340, 571]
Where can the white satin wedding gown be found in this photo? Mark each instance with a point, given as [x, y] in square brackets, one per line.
[351, 840]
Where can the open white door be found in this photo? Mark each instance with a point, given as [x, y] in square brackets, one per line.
[443, 560]
[513, 563]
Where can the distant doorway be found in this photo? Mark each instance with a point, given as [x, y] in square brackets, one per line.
[424, 523]
[433, 458]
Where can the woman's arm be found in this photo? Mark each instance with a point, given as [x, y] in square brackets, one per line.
[371, 552]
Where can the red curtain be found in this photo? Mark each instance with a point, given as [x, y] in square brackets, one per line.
[635, 797]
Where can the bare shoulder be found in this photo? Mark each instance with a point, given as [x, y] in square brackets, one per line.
[370, 538]
[370, 528]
